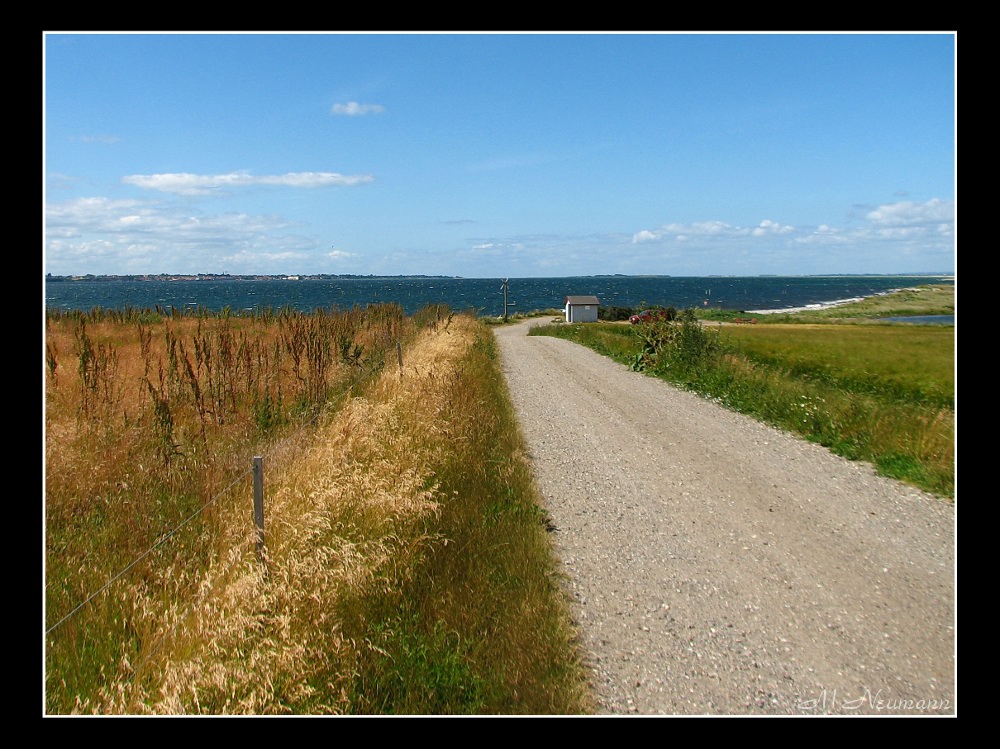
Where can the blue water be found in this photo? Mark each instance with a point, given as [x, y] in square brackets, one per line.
[480, 294]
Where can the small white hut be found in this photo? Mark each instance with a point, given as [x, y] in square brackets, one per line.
[581, 308]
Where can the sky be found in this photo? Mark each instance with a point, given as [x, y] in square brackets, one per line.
[499, 154]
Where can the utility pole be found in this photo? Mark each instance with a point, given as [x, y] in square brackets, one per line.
[503, 288]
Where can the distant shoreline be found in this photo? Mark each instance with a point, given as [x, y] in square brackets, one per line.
[168, 277]
[809, 307]
[830, 305]
[737, 293]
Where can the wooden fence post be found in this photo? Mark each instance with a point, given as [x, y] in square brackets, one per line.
[399, 354]
[258, 501]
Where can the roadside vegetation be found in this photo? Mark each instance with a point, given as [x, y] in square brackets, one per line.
[405, 568]
[879, 392]
[930, 299]
[515, 317]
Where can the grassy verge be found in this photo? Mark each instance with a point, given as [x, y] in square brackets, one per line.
[407, 567]
[883, 394]
[928, 299]
[481, 627]
[520, 316]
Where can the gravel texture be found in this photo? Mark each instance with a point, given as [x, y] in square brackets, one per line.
[717, 566]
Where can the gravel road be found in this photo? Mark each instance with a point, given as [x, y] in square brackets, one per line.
[717, 566]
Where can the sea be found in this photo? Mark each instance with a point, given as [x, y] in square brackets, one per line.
[483, 295]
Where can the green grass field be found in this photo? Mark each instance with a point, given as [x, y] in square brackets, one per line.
[881, 393]
[918, 362]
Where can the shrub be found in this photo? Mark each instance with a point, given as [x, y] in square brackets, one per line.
[681, 344]
[614, 314]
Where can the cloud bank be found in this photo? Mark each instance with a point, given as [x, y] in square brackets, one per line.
[104, 235]
[206, 184]
[931, 221]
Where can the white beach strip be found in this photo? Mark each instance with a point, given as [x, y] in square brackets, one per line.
[819, 306]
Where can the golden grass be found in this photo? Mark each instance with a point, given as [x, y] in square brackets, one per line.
[336, 515]
[352, 515]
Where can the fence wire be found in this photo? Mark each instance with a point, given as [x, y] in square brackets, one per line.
[274, 449]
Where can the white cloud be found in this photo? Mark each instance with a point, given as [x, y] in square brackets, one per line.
[909, 214]
[824, 235]
[77, 217]
[132, 217]
[709, 229]
[104, 235]
[139, 251]
[93, 248]
[354, 109]
[101, 235]
[279, 256]
[889, 237]
[488, 249]
[905, 223]
[314, 179]
[771, 227]
[203, 184]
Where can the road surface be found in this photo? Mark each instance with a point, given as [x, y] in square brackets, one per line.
[717, 566]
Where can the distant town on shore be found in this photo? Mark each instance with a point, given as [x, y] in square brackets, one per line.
[50, 278]
[223, 277]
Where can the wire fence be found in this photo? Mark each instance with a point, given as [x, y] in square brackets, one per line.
[166, 537]
[277, 451]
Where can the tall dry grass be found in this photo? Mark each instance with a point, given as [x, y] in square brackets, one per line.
[482, 626]
[148, 422]
[406, 565]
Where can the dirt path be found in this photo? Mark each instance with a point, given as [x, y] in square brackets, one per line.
[718, 566]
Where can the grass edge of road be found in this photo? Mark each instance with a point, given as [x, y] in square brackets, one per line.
[407, 566]
[906, 430]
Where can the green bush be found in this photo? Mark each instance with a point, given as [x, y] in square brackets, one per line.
[681, 345]
[614, 314]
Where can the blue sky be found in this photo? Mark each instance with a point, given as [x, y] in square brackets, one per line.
[495, 155]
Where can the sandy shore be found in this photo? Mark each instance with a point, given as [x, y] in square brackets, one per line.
[823, 305]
